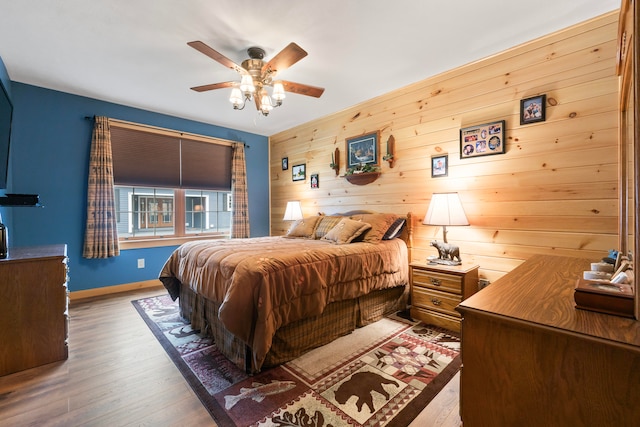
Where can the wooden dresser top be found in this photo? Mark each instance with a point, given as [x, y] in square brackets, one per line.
[540, 291]
[31, 252]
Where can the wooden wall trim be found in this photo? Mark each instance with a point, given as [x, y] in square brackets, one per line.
[109, 290]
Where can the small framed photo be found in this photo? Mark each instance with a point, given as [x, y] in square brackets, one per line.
[315, 180]
[482, 140]
[299, 172]
[363, 150]
[439, 166]
[532, 110]
[285, 163]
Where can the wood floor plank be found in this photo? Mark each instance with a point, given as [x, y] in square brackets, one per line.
[118, 374]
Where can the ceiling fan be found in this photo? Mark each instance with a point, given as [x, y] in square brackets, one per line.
[256, 75]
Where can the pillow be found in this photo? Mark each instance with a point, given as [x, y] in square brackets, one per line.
[346, 230]
[395, 230]
[304, 227]
[326, 224]
[380, 223]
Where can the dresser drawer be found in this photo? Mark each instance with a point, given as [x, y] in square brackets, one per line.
[436, 280]
[436, 300]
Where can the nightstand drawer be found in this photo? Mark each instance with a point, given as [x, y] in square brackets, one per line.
[432, 317]
[436, 280]
[435, 300]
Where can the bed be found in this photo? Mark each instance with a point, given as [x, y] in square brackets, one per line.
[268, 300]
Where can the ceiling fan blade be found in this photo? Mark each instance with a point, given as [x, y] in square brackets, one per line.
[216, 56]
[302, 89]
[213, 86]
[284, 59]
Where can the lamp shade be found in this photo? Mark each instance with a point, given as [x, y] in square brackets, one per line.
[236, 97]
[246, 84]
[293, 212]
[445, 209]
[278, 92]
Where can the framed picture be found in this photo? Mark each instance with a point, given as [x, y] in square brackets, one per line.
[315, 180]
[439, 166]
[285, 163]
[299, 172]
[363, 149]
[533, 109]
[482, 140]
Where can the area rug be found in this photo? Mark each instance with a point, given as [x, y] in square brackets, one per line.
[383, 374]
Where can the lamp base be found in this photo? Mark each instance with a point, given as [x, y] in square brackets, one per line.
[448, 254]
[435, 260]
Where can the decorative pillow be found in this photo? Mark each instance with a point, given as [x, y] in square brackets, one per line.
[346, 230]
[304, 227]
[380, 223]
[325, 225]
[395, 230]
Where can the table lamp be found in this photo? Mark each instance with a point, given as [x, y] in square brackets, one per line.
[293, 212]
[445, 209]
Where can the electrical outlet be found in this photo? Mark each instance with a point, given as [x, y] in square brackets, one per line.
[483, 283]
[141, 263]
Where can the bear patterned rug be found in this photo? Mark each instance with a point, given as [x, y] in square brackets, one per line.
[383, 374]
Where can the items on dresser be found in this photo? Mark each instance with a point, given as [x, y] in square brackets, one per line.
[607, 287]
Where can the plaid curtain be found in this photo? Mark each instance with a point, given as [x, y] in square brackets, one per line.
[239, 198]
[101, 235]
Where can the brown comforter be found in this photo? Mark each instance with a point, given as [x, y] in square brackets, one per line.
[266, 282]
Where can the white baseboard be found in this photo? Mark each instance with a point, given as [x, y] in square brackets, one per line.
[107, 290]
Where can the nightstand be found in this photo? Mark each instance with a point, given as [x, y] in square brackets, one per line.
[437, 289]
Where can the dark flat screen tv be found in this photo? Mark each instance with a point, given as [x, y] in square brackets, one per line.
[6, 114]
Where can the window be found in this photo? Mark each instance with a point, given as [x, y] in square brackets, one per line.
[170, 185]
[145, 212]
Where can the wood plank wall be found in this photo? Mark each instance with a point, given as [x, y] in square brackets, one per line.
[554, 191]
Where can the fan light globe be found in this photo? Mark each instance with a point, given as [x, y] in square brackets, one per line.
[278, 92]
[236, 97]
[246, 84]
[265, 103]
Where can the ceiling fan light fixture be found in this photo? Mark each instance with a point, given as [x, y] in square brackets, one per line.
[257, 75]
[236, 98]
[265, 103]
[246, 84]
[278, 93]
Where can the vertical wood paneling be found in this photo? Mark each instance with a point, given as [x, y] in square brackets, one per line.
[555, 189]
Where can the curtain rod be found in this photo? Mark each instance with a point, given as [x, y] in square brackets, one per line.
[124, 122]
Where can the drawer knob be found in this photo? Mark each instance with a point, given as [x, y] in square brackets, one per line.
[436, 301]
[435, 281]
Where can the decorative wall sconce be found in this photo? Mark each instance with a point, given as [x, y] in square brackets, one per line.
[391, 148]
[335, 161]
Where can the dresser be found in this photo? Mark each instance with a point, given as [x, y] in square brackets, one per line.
[530, 358]
[437, 289]
[33, 307]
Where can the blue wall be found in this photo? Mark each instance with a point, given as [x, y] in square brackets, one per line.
[5, 213]
[49, 156]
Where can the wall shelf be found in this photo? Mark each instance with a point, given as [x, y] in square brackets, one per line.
[362, 178]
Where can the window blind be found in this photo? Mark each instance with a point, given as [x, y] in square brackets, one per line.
[145, 158]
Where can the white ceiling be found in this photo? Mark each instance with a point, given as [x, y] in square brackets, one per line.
[134, 52]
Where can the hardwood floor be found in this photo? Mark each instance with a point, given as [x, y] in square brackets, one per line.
[117, 374]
